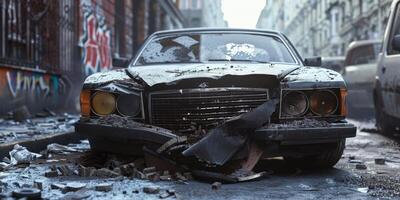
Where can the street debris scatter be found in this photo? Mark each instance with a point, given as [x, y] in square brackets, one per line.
[21, 155]
[12, 130]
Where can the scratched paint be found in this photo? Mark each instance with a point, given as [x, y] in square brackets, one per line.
[95, 40]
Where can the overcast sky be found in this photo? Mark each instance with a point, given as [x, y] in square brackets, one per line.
[242, 13]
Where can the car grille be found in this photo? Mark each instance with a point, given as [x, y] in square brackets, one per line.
[181, 109]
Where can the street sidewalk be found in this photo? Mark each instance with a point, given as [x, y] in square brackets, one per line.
[37, 133]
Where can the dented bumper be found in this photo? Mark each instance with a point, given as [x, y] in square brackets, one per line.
[105, 134]
[306, 135]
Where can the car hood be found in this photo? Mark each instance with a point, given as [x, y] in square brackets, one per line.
[167, 73]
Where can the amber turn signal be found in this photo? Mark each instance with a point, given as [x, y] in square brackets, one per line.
[85, 103]
[343, 108]
[103, 103]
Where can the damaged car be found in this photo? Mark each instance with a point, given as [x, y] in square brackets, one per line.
[217, 98]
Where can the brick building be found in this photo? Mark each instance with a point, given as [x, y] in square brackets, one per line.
[47, 48]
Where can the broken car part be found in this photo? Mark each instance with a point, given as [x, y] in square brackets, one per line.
[240, 90]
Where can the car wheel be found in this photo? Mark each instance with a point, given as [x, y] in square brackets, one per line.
[382, 122]
[327, 159]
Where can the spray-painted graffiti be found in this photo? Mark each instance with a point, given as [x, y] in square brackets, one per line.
[95, 40]
[33, 84]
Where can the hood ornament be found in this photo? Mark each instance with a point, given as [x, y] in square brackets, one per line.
[203, 85]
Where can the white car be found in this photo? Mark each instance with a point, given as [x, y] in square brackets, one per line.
[387, 87]
[359, 73]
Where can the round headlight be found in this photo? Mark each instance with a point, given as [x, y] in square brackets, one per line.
[128, 105]
[324, 102]
[103, 103]
[294, 104]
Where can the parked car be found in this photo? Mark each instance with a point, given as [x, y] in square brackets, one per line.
[335, 63]
[359, 73]
[219, 88]
[387, 85]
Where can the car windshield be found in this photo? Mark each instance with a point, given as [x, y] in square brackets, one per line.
[366, 54]
[212, 47]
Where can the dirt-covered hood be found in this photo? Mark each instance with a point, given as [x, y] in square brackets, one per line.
[167, 73]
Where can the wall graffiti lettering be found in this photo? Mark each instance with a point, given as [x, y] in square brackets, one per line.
[95, 40]
[33, 84]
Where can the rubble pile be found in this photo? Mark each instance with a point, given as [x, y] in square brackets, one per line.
[14, 130]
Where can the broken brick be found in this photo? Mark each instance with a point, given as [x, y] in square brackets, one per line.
[149, 170]
[38, 184]
[216, 185]
[50, 174]
[165, 177]
[138, 174]
[179, 176]
[73, 187]
[57, 186]
[164, 195]
[105, 173]
[151, 189]
[380, 161]
[103, 187]
[361, 166]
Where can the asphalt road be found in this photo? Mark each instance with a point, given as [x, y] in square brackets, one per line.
[342, 182]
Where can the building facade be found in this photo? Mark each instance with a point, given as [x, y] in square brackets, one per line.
[47, 48]
[327, 27]
[203, 13]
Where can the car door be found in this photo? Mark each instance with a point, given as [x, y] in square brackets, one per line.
[389, 67]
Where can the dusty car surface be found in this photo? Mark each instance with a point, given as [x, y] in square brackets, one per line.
[334, 63]
[387, 86]
[359, 73]
[218, 95]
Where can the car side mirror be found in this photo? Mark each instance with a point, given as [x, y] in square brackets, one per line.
[120, 62]
[314, 62]
[396, 42]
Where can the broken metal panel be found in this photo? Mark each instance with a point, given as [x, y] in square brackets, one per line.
[158, 74]
[313, 77]
[221, 143]
[114, 80]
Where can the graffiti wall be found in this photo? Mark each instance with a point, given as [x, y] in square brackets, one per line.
[28, 87]
[95, 39]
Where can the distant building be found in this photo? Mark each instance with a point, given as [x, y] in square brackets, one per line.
[326, 27]
[47, 48]
[203, 13]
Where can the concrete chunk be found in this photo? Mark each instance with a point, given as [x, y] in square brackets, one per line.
[151, 189]
[104, 187]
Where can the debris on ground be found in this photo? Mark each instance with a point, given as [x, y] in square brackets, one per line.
[380, 161]
[151, 189]
[28, 193]
[104, 187]
[361, 166]
[216, 185]
[21, 155]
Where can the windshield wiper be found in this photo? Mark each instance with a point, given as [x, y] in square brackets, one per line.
[238, 60]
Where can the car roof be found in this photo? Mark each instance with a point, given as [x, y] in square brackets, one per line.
[359, 43]
[236, 30]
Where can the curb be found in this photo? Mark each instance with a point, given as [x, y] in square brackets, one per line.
[40, 143]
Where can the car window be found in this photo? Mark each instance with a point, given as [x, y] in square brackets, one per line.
[394, 31]
[212, 47]
[363, 55]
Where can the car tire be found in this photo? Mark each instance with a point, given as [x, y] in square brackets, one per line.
[327, 159]
[382, 121]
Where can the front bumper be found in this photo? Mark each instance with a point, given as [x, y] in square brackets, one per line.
[287, 135]
[284, 134]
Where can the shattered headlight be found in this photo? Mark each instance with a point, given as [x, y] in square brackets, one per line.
[129, 105]
[294, 103]
[324, 102]
[103, 103]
